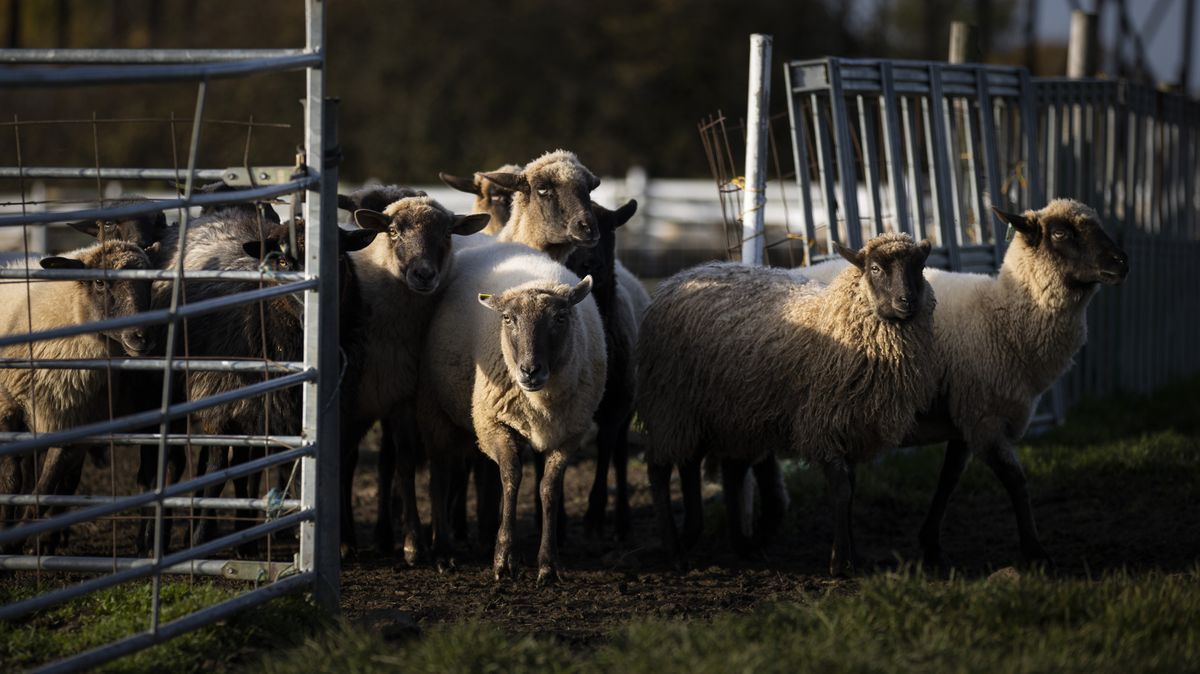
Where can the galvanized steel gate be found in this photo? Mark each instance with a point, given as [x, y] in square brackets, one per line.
[315, 565]
[926, 147]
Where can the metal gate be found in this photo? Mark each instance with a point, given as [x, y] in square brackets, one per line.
[312, 562]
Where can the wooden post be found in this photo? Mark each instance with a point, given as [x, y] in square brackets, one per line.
[963, 44]
[1083, 46]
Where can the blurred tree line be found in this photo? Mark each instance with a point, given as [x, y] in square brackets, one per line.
[452, 85]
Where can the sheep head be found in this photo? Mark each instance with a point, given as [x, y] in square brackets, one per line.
[490, 197]
[419, 232]
[112, 298]
[143, 230]
[377, 197]
[535, 328]
[599, 260]
[1068, 235]
[892, 270]
[552, 193]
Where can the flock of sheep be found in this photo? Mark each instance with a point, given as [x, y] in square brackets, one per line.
[473, 337]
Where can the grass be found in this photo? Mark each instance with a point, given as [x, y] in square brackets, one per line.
[121, 611]
[899, 622]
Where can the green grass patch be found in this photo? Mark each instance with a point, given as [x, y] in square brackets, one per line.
[894, 623]
[122, 611]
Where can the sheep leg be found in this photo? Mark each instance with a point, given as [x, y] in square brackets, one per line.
[693, 506]
[487, 500]
[58, 465]
[660, 490]
[773, 493]
[551, 487]
[246, 486]
[219, 457]
[958, 454]
[506, 453]
[352, 433]
[440, 494]
[385, 540]
[459, 478]
[593, 519]
[837, 475]
[623, 519]
[539, 470]
[733, 475]
[1003, 462]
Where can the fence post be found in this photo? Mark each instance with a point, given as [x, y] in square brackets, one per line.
[754, 196]
[1083, 45]
[963, 42]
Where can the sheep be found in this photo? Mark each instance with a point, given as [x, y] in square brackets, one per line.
[144, 229]
[739, 361]
[614, 296]
[551, 210]
[400, 277]
[490, 197]
[515, 355]
[376, 197]
[1001, 343]
[16, 472]
[56, 400]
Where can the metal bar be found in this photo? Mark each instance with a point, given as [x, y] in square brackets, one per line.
[799, 131]
[940, 180]
[758, 103]
[146, 74]
[156, 205]
[40, 602]
[991, 160]
[216, 503]
[139, 56]
[845, 159]
[142, 364]
[912, 156]
[162, 315]
[146, 275]
[181, 439]
[870, 165]
[320, 541]
[105, 173]
[892, 139]
[25, 530]
[174, 628]
[229, 569]
[140, 419]
[825, 166]
[1029, 127]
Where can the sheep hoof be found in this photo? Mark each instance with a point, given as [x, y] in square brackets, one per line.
[505, 566]
[413, 553]
[548, 575]
[445, 564]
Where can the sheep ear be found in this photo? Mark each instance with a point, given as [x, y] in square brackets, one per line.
[253, 249]
[514, 182]
[460, 184]
[153, 248]
[61, 263]
[1022, 224]
[345, 203]
[465, 225]
[624, 213]
[89, 227]
[160, 221]
[369, 219]
[486, 299]
[350, 240]
[925, 246]
[593, 181]
[854, 257]
[580, 291]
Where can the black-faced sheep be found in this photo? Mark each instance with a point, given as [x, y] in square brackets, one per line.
[143, 230]
[551, 209]
[739, 361]
[490, 197]
[515, 355]
[1001, 343]
[399, 277]
[53, 399]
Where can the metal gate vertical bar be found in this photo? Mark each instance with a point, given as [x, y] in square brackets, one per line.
[845, 157]
[825, 164]
[935, 121]
[892, 135]
[799, 129]
[319, 480]
[991, 162]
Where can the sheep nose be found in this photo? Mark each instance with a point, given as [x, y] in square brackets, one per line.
[530, 370]
[425, 274]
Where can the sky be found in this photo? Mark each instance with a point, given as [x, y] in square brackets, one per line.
[1164, 49]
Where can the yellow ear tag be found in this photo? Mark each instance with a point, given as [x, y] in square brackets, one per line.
[1008, 234]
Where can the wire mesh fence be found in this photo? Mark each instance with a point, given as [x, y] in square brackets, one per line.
[148, 373]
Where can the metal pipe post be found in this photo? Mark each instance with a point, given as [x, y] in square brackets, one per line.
[758, 104]
[1083, 45]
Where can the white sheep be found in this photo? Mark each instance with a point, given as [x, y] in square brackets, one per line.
[515, 355]
[1002, 341]
[59, 399]
[740, 361]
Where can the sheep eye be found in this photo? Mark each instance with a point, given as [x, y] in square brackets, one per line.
[876, 269]
[508, 319]
[108, 226]
[543, 191]
[100, 285]
[1060, 234]
[393, 233]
